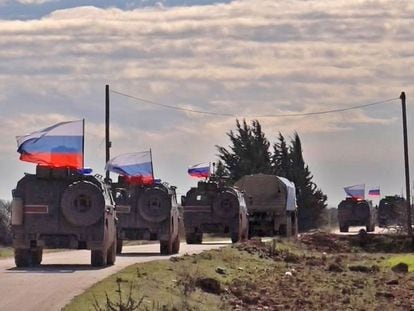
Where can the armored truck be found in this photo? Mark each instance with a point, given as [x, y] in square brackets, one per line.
[271, 204]
[392, 211]
[62, 208]
[356, 212]
[147, 212]
[212, 207]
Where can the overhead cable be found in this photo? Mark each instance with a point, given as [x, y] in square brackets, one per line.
[254, 116]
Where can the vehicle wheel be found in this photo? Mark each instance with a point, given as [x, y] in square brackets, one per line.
[22, 257]
[98, 258]
[226, 205]
[154, 205]
[36, 256]
[119, 244]
[190, 238]
[111, 256]
[370, 228]
[245, 233]
[82, 203]
[199, 238]
[166, 247]
[343, 228]
[235, 236]
[282, 230]
[176, 245]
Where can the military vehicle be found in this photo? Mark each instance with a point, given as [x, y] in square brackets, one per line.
[147, 212]
[392, 210]
[271, 204]
[212, 207]
[356, 212]
[62, 208]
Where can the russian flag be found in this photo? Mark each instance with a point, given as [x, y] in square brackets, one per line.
[201, 170]
[375, 192]
[356, 191]
[60, 145]
[137, 167]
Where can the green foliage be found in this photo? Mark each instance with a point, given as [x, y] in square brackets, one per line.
[249, 154]
[5, 229]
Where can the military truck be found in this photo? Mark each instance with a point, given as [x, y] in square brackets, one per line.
[212, 207]
[62, 208]
[147, 212]
[271, 204]
[392, 211]
[356, 212]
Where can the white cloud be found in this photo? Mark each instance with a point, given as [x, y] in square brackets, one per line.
[247, 58]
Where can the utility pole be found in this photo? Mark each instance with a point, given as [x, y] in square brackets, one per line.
[107, 141]
[407, 169]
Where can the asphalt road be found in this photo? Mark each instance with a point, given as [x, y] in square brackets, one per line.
[64, 275]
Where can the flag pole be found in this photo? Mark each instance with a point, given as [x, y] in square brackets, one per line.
[152, 166]
[83, 143]
[107, 141]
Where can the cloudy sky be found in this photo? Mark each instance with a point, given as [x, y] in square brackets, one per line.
[241, 57]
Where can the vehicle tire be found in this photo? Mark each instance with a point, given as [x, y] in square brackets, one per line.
[282, 230]
[98, 258]
[119, 244]
[370, 227]
[111, 256]
[22, 257]
[176, 245]
[190, 238]
[154, 205]
[343, 228]
[199, 238]
[235, 236]
[226, 205]
[166, 247]
[36, 256]
[83, 203]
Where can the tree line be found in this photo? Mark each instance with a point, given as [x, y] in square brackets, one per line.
[250, 152]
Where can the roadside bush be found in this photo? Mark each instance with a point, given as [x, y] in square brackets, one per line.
[5, 229]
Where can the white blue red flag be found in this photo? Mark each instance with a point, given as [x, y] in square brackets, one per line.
[60, 145]
[136, 166]
[201, 170]
[374, 192]
[356, 191]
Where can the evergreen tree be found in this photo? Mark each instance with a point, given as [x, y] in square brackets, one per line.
[280, 158]
[310, 200]
[221, 170]
[249, 151]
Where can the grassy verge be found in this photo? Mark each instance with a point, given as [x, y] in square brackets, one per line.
[6, 252]
[260, 276]
[407, 259]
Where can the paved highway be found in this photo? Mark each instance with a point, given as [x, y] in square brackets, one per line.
[63, 275]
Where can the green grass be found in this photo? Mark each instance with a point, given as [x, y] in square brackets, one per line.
[171, 283]
[408, 259]
[6, 252]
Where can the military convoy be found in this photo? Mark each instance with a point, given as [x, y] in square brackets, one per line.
[62, 208]
[356, 212]
[271, 204]
[212, 207]
[147, 212]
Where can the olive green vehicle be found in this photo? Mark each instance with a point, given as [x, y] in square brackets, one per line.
[392, 211]
[147, 212]
[61, 208]
[271, 204]
[214, 208]
[356, 212]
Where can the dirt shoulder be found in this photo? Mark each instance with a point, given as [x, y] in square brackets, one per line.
[319, 271]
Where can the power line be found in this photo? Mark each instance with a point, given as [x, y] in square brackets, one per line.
[256, 116]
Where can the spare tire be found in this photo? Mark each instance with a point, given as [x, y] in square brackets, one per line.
[226, 205]
[154, 205]
[83, 203]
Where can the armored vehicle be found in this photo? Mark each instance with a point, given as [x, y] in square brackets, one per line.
[392, 210]
[356, 212]
[214, 208]
[147, 212]
[62, 208]
[271, 203]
